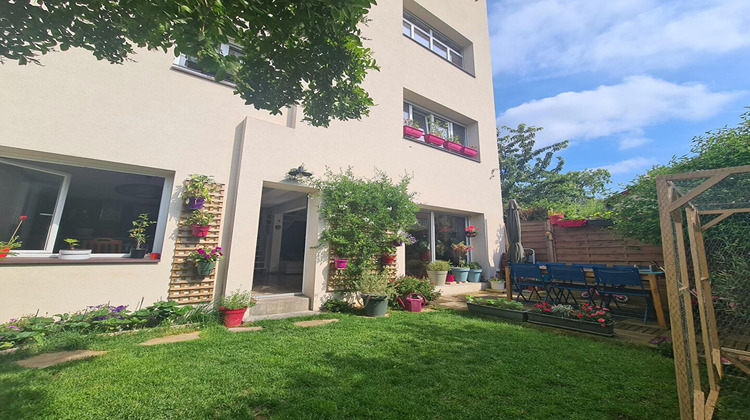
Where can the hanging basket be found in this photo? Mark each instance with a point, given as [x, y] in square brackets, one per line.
[201, 231]
[340, 263]
[195, 203]
[205, 268]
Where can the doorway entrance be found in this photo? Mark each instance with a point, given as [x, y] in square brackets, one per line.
[280, 248]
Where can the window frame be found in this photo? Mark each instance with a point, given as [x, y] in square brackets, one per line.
[433, 235]
[180, 63]
[434, 36]
[431, 117]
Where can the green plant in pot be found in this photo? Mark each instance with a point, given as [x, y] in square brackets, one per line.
[461, 272]
[375, 288]
[73, 253]
[497, 284]
[475, 271]
[437, 271]
[138, 232]
[13, 243]
[233, 305]
[205, 259]
[198, 191]
[200, 222]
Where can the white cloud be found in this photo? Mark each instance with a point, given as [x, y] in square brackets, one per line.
[569, 36]
[624, 109]
[631, 165]
[631, 142]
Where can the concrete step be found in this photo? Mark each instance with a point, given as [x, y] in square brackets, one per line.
[278, 305]
[461, 288]
[280, 316]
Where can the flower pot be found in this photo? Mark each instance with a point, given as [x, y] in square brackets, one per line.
[232, 317]
[497, 285]
[205, 268]
[201, 231]
[474, 275]
[450, 278]
[195, 203]
[425, 256]
[340, 263]
[74, 254]
[456, 147]
[388, 259]
[511, 314]
[554, 218]
[471, 234]
[460, 274]
[412, 132]
[433, 139]
[138, 253]
[375, 306]
[607, 330]
[4, 252]
[571, 223]
[468, 151]
[437, 277]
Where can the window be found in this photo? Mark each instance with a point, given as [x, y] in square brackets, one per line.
[191, 64]
[94, 206]
[426, 118]
[436, 233]
[423, 34]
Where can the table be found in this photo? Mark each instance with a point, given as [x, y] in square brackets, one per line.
[647, 277]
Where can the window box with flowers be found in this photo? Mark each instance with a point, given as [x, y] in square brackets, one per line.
[471, 231]
[205, 259]
[588, 318]
[470, 151]
[411, 129]
[502, 308]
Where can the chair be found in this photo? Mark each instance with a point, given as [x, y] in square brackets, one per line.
[564, 280]
[624, 282]
[103, 245]
[589, 265]
[528, 275]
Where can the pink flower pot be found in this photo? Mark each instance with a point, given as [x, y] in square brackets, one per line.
[456, 147]
[201, 231]
[432, 139]
[554, 218]
[412, 132]
[340, 263]
[232, 317]
[450, 278]
[4, 252]
[388, 259]
[468, 151]
[571, 223]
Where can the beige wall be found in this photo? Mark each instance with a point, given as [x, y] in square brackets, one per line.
[144, 113]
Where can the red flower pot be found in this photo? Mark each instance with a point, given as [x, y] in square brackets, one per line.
[554, 218]
[571, 223]
[468, 151]
[432, 139]
[412, 132]
[340, 263]
[388, 259]
[456, 147]
[200, 231]
[4, 252]
[232, 317]
[450, 278]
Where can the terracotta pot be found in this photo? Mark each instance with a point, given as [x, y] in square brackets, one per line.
[388, 259]
[433, 139]
[201, 231]
[232, 317]
[4, 252]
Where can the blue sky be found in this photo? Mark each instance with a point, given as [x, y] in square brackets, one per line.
[628, 82]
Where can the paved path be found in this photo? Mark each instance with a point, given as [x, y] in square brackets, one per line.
[50, 359]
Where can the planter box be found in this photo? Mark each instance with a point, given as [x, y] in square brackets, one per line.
[468, 151]
[456, 147]
[599, 223]
[572, 324]
[74, 254]
[412, 133]
[519, 316]
[432, 139]
[571, 223]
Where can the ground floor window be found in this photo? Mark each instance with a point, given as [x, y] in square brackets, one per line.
[436, 233]
[95, 206]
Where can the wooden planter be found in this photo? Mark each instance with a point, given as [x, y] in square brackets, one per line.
[572, 324]
[519, 316]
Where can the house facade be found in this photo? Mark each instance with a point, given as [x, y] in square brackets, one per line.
[86, 146]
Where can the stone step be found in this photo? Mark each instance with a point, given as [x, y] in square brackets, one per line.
[280, 316]
[461, 288]
[278, 305]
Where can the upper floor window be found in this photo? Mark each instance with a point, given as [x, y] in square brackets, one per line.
[428, 37]
[189, 62]
[427, 119]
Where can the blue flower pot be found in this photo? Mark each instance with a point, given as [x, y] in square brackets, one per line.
[475, 275]
[460, 274]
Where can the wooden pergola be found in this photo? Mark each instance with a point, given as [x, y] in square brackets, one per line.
[680, 212]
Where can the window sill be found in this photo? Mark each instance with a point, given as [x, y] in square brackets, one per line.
[451, 152]
[51, 260]
[205, 76]
[441, 57]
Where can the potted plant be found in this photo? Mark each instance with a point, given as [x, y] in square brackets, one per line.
[138, 232]
[13, 242]
[497, 284]
[437, 271]
[388, 259]
[475, 272]
[198, 191]
[554, 216]
[499, 307]
[461, 272]
[73, 253]
[200, 221]
[452, 143]
[471, 231]
[375, 287]
[470, 151]
[205, 259]
[411, 129]
[437, 131]
[233, 306]
[588, 318]
[340, 263]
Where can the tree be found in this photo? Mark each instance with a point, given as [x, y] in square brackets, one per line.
[636, 210]
[528, 176]
[304, 52]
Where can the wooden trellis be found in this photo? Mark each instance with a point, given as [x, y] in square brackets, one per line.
[678, 214]
[337, 282]
[185, 285]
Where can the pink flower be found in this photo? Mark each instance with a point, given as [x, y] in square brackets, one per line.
[600, 320]
[22, 218]
[580, 315]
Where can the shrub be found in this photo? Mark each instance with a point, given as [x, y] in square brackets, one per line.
[337, 305]
[375, 283]
[439, 265]
[404, 286]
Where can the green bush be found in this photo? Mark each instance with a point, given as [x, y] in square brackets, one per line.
[406, 285]
[439, 265]
[337, 305]
[497, 303]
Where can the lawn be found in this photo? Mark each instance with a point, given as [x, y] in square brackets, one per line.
[436, 365]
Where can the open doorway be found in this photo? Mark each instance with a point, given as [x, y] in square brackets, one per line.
[280, 250]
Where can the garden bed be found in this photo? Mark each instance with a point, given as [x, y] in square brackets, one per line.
[519, 316]
[571, 324]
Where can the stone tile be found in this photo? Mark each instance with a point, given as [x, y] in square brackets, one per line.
[50, 359]
[172, 339]
[315, 322]
[243, 329]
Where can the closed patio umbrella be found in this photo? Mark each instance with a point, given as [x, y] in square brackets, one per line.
[513, 232]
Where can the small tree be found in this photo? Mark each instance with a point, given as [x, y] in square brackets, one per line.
[138, 232]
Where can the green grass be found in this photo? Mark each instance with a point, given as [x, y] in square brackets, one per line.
[436, 365]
